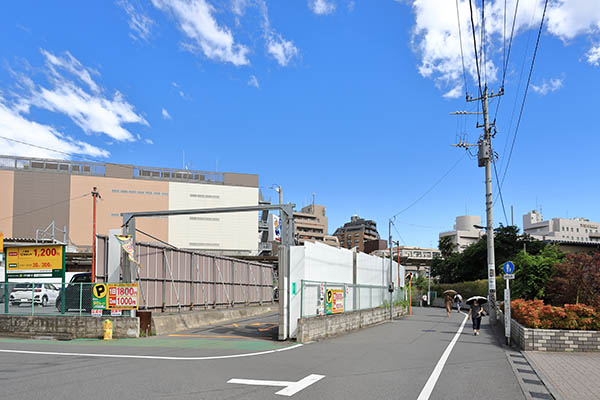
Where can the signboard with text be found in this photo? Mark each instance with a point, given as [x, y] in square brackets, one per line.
[334, 301]
[115, 296]
[35, 261]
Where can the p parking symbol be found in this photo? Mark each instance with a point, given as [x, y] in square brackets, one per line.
[99, 290]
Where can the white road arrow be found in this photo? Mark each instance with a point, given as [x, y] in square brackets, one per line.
[290, 388]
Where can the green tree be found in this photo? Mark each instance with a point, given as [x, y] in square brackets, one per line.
[532, 272]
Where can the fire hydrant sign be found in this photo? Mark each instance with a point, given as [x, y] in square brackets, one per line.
[334, 301]
[115, 296]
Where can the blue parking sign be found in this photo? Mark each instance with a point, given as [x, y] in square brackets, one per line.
[509, 267]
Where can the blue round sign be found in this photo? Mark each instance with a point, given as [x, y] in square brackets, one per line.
[509, 267]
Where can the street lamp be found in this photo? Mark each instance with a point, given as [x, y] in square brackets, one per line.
[278, 189]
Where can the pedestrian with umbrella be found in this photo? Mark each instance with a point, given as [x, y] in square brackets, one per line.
[458, 300]
[448, 295]
[476, 311]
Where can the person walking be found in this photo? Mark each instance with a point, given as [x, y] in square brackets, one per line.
[476, 312]
[448, 302]
[458, 300]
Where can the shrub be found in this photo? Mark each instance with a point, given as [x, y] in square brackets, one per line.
[534, 314]
[471, 288]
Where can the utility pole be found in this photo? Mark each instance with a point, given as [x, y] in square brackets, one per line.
[391, 282]
[95, 195]
[484, 157]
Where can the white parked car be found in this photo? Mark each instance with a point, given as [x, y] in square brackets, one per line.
[43, 294]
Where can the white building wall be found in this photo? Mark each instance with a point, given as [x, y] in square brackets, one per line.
[231, 231]
[322, 263]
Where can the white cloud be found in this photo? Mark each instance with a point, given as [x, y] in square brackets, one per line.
[253, 81]
[548, 86]
[281, 49]
[92, 112]
[139, 22]
[321, 7]
[454, 93]
[593, 56]
[196, 21]
[13, 125]
[72, 65]
[239, 7]
[436, 34]
[148, 141]
[165, 114]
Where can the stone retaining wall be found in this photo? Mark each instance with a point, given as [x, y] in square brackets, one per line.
[324, 326]
[66, 327]
[553, 339]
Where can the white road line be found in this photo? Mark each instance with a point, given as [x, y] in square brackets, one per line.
[428, 388]
[53, 353]
[289, 388]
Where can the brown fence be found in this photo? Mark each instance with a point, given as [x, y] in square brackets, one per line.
[173, 279]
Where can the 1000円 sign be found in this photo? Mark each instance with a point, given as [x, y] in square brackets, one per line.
[115, 296]
[31, 261]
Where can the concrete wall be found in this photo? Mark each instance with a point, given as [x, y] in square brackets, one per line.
[322, 327]
[231, 231]
[322, 263]
[7, 181]
[45, 192]
[118, 195]
[66, 327]
[163, 324]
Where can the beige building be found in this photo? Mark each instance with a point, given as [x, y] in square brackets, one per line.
[311, 224]
[464, 232]
[36, 192]
[577, 230]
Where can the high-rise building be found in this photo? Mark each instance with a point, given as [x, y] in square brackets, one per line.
[36, 192]
[465, 232]
[356, 232]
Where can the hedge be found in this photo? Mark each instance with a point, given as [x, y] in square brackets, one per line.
[534, 314]
[471, 288]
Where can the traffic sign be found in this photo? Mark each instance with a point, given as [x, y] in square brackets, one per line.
[509, 267]
[509, 276]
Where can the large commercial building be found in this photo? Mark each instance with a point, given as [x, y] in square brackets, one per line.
[36, 192]
[579, 230]
[356, 232]
[465, 232]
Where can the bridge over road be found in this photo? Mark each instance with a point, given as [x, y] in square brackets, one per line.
[426, 356]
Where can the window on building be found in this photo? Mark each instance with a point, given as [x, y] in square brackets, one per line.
[577, 230]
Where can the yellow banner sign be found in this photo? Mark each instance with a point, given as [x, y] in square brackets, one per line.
[48, 257]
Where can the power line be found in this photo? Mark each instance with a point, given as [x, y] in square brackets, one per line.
[525, 94]
[43, 208]
[431, 188]
[507, 56]
[475, 47]
[399, 235]
[462, 57]
[500, 191]
[47, 148]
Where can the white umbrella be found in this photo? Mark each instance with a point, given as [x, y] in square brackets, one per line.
[480, 300]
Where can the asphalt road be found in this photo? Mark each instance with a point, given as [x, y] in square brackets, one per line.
[388, 361]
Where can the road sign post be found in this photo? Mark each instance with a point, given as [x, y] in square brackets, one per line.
[509, 269]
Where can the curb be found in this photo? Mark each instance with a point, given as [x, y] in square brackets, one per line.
[529, 379]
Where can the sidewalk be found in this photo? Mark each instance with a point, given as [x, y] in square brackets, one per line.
[568, 376]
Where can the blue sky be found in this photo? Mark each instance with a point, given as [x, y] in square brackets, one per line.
[346, 99]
